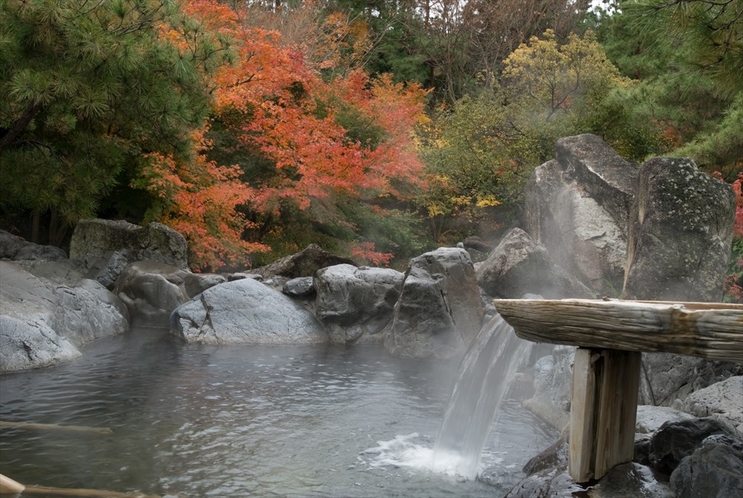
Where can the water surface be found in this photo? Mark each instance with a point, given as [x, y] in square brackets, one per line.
[232, 421]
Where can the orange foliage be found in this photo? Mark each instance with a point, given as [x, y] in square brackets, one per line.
[200, 200]
[365, 252]
[289, 114]
[738, 187]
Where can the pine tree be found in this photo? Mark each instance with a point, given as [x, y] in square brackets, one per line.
[87, 88]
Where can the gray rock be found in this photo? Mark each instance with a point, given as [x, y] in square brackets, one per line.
[27, 341]
[300, 288]
[520, 265]
[357, 300]
[554, 457]
[439, 310]
[151, 291]
[676, 440]
[552, 387]
[39, 252]
[680, 233]
[196, 283]
[651, 418]
[608, 178]
[43, 321]
[714, 470]
[97, 239]
[723, 400]
[245, 311]
[10, 245]
[108, 269]
[667, 379]
[631, 480]
[554, 483]
[577, 207]
[302, 264]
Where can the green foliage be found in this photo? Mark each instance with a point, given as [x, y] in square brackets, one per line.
[87, 88]
[482, 151]
[340, 225]
[687, 57]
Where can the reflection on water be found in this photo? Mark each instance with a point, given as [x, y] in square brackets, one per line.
[224, 421]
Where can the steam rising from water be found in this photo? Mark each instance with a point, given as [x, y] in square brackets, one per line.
[483, 379]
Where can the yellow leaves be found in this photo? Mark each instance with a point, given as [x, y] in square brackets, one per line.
[551, 76]
[487, 201]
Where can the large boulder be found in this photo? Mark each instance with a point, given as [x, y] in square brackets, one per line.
[94, 241]
[151, 291]
[245, 311]
[356, 302]
[302, 264]
[680, 233]
[520, 265]
[439, 310]
[668, 378]
[43, 321]
[577, 206]
[723, 400]
[605, 176]
[676, 440]
[714, 470]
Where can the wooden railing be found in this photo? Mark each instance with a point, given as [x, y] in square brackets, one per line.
[611, 336]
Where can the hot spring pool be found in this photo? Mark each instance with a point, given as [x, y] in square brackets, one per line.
[234, 421]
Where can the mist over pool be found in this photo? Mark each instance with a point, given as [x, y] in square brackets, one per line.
[194, 420]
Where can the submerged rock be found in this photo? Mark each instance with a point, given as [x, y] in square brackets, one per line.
[245, 311]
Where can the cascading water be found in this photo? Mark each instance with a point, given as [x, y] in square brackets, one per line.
[483, 379]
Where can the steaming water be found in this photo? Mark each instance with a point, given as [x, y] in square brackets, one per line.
[483, 379]
[234, 421]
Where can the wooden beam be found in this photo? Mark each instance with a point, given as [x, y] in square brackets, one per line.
[582, 416]
[603, 411]
[57, 427]
[708, 330]
[617, 409]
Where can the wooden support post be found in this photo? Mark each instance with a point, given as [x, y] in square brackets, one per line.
[603, 411]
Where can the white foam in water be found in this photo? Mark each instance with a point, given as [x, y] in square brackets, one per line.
[407, 451]
[485, 374]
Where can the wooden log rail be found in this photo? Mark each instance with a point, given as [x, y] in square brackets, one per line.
[611, 336]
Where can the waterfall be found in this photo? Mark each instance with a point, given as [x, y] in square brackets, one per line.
[483, 379]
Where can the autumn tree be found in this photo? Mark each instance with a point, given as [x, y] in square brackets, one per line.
[308, 150]
[481, 152]
[87, 88]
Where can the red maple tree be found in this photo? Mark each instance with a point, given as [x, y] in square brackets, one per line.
[279, 104]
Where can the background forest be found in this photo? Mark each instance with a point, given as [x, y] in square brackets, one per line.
[376, 129]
